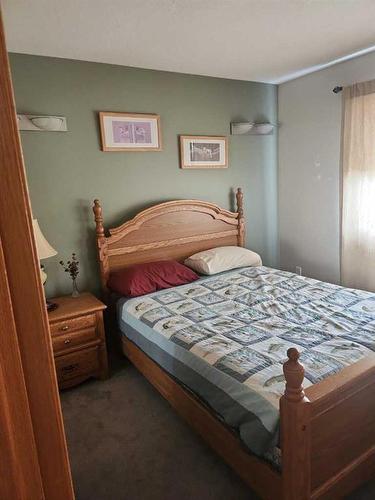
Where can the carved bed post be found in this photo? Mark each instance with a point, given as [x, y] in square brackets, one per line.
[295, 432]
[241, 219]
[101, 243]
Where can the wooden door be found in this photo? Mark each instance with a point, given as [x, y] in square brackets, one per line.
[33, 455]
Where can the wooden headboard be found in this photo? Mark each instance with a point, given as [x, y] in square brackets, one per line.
[171, 230]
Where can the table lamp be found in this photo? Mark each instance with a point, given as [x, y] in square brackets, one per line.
[44, 250]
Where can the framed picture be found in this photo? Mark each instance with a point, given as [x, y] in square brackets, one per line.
[130, 132]
[203, 151]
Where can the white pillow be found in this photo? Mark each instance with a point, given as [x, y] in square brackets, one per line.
[217, 260]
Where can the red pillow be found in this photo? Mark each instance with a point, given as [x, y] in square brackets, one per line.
[146, 278]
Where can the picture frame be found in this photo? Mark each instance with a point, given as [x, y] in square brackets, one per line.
[130, 131]
[203, 151]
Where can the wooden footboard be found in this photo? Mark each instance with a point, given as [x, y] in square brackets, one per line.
[328, 432]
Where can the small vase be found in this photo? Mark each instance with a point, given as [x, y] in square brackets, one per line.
[75, 292]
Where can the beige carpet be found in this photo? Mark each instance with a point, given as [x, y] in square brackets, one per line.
[126, 442]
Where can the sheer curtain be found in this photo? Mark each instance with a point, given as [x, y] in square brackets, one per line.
[358, 197]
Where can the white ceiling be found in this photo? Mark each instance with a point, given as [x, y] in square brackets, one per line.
[261, 40]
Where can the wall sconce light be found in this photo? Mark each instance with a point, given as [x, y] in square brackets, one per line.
[42, 123]
[251, 128]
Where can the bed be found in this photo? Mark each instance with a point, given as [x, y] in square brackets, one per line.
[321, 455]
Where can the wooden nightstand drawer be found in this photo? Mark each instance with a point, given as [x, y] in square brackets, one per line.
[72, 324]
[73, 339]
[77, 365]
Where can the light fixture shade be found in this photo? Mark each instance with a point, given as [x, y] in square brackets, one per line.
[263, 128]
[241, 128]
[42, 123]
[51, 123]
[251, 128]
[43, 247]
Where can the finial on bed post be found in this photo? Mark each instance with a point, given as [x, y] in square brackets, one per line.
[241, 219]
[294, 373]
[97, 209]
[295, 431]
[101, 243]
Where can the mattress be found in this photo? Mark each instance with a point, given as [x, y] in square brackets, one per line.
[225, 339]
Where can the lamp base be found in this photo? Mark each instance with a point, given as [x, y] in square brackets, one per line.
[51, 306]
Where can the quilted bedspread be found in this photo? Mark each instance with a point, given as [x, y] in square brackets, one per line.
[233, 330]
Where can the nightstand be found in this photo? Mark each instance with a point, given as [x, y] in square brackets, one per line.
[78, 339]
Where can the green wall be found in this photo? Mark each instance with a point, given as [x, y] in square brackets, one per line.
[66, 171]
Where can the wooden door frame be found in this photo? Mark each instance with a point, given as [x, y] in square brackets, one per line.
[33, 453]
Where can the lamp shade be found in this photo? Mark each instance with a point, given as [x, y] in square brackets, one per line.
[43, 247]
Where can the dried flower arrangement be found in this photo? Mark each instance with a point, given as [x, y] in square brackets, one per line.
[72, 267]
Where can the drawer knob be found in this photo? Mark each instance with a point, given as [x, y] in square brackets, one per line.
[67, 341]
[64, 328]
[70, 368]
